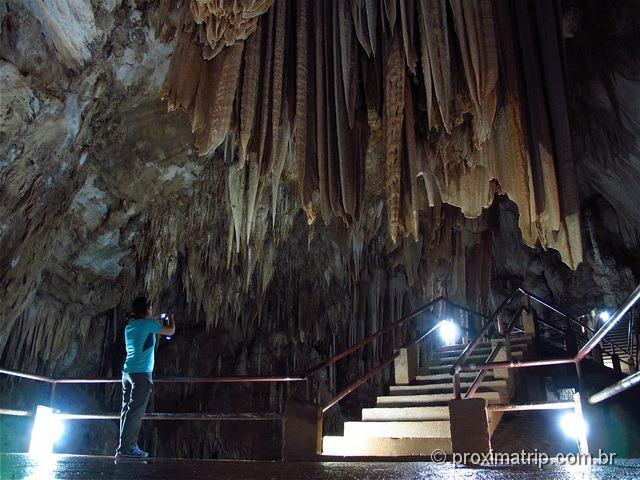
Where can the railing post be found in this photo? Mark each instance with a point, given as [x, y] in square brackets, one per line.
[456, 384]
[52, 394]
[615, 363]
[571, 342]
[528, 322]
[581, 404]
[500, 324]
[405, 365]
[301, 431]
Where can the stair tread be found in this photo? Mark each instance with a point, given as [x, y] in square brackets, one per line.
[405, 413]
[473, 358]
[481, 353]
[446, 377]
[460, 347]
[398, 429]
[399, 389]
[383, 447]
[417, 400]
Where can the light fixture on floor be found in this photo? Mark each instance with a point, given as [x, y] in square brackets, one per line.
[448, 332]
[47, 430]
[572, 425]
[604, 316]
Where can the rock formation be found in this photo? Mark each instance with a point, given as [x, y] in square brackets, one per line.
[289, 176]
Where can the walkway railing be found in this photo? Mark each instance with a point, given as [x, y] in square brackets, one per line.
[403, 322]
[306, 376]
[497, 320]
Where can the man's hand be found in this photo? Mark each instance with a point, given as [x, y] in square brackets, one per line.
[169, 328]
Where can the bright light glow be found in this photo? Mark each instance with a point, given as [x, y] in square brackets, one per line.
[47, 430]
[573, 425]
[448, 332]
[605, 316]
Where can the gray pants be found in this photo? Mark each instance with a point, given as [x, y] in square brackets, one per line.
[136, 389]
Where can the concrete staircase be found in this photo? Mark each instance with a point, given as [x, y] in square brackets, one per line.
[413, 419]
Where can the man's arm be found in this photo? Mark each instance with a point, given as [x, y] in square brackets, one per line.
[169, 328]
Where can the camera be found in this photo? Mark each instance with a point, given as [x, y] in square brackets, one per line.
[163, 317]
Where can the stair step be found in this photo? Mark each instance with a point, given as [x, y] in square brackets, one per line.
[384, 447]
[477, 352]
[405, 414]
[434, 387]
[418, 400]
[438, 367]
[424, 429]
[461, 347]
[447, 377]
[472, 358]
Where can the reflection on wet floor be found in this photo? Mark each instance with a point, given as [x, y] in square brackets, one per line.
[20, 467]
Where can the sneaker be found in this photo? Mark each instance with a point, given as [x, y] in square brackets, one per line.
[133, 453]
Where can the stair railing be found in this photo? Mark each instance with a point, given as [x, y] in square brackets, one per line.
[403, 322]
[504, 343]
[582, 327]
[597, 338]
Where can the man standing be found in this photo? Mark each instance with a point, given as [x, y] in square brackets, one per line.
[137, 383]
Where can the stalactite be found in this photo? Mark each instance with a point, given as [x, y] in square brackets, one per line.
[407, 9]
[222, 23]
[302, 87]
[277, 93]
[436, 60]
[392, 121]
[250, 80]
[474, 25]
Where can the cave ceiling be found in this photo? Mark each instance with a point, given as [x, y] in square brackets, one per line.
[301, 165]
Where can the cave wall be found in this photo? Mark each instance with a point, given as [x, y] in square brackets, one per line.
[270, 264]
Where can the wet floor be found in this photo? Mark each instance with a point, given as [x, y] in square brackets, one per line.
[19, 467]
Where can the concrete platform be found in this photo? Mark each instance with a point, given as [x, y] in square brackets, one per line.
[22, 467]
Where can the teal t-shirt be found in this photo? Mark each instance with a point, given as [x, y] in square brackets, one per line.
[140, 342]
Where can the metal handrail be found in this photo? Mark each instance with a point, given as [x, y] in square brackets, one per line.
[618, 387]
[246, 378]
[456, 368]
[358, 382]
[365, 377]
[481, 374]
[570, 319]
[216, 417]
[598, 336]
[230, 379]
[630, 301]
[365, 341]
